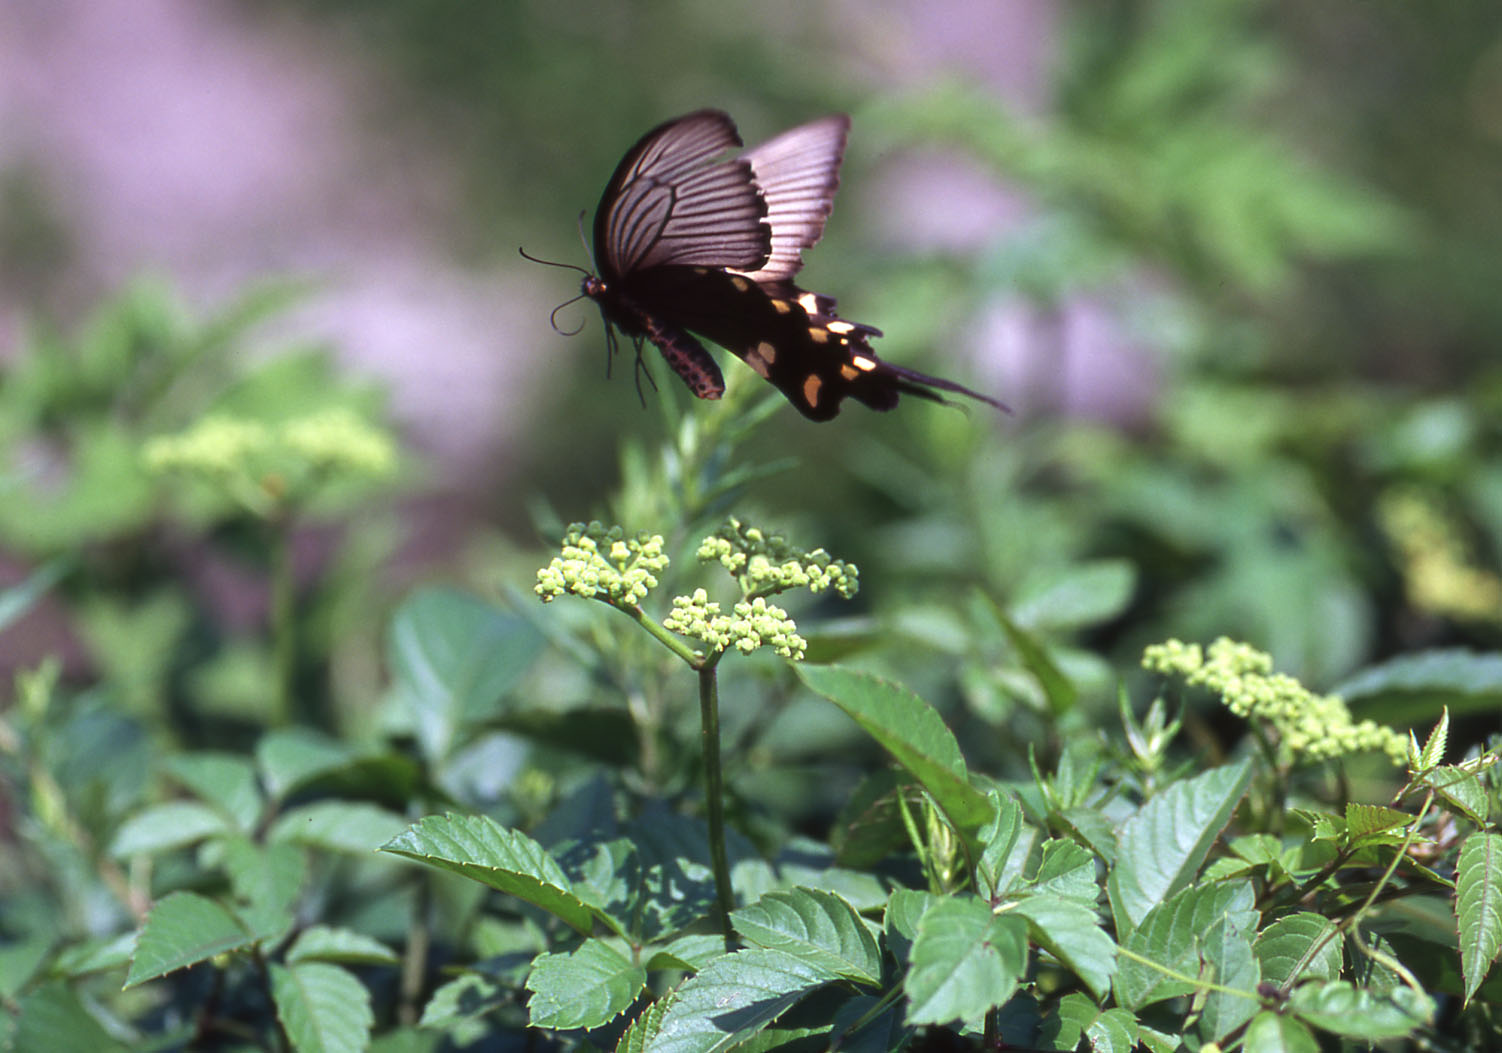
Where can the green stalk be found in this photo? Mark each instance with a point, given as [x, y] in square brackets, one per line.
[283, 621]
[714, 796]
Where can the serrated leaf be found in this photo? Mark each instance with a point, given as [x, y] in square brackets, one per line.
[588, 987]
[1066, 868]
[1366, 821]
[329, 944]
[1275, 1033]
[182, 930]
[911, 730]
[1072, 933]
[1478, 906]
[455, 657]
[1107, 1030]
[224, 780]
[643, 1029]
[1344, 1009]
[1160, 848]
[322, 1008]
[1299, 947]
[731, 999]
[1001, 863]
[1463, 789]
[965, 961]
[813, 926]
[1168, 940]
[163, 827]
[338, 826]
[481, 849]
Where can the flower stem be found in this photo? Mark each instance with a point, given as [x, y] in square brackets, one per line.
[283, 621]
[714, 796]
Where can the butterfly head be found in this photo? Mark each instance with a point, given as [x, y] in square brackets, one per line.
[592, 286]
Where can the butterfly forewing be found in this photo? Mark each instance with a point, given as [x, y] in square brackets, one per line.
[668, 205]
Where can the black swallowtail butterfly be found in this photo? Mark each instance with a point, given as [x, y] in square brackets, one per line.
[685, 243]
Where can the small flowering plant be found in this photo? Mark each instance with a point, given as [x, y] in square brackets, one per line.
[605, 564]
[596, 562]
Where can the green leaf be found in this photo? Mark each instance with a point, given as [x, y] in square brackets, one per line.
[20, 598]
[290, 758]
[338, 826]
[965, 962]
[183, 929]
[1463, 789]
[1367, 1016]
[328, 944]
[643, 1029]
[1428, 672]
[163, 827]
[1001, 858]
[1169, 940]
[1275, 1033]
[481, 849]
[813, 926]
[1079, 596]
[1108, 1030]
[53, 1017]
[1295, 948]
[1227, 953]
[731, 999]
[1160, 849]
[911, 730]
[689, 952]
[904, 911]
[266, 879]
[322, 1008]
[223, 780]
[1067, 868]
[455, 657]
[1478, 906]
[464, 1000]
[1057, 687]
[1072, 933]
[588, 987]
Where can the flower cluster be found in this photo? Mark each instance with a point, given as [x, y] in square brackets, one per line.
[765, 564]
[1436, 569]
[263, 464]
[754, 623]
[600, 563]
[1309, 726]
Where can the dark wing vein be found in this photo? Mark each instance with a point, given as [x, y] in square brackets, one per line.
[667, 203]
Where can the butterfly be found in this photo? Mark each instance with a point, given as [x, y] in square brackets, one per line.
[690, 241]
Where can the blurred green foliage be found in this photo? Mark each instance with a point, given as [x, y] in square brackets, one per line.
[1297, 232]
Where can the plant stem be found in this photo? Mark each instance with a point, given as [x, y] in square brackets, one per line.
[283, 620]
[714, 796]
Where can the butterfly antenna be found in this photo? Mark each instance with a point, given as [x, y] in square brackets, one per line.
[550, 263]
[588, 252]
[553, 318]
